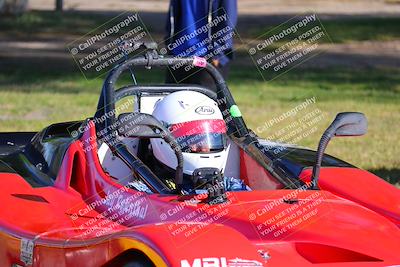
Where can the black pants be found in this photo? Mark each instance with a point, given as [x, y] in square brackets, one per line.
[195, 76]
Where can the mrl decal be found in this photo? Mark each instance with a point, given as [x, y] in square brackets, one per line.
[220, 262]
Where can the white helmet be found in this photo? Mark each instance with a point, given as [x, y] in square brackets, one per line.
[198, 125]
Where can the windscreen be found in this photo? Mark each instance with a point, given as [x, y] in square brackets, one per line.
[200, 136]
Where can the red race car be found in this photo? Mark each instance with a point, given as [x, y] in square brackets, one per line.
[169, 175]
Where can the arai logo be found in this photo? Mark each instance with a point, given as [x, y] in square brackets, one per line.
[204, 110]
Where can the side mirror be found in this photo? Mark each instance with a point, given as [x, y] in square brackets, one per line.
[349, 124]
[345, 124]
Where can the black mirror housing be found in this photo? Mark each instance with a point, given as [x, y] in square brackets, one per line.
[350, 124]
[345, 124]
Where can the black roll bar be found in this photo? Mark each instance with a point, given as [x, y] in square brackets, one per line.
[236, 125]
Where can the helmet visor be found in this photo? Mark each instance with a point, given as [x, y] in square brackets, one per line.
[201, 136]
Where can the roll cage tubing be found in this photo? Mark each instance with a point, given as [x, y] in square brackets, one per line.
[237, 129]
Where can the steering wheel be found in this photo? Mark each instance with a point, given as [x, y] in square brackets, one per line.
[107, 122]
[143, 125]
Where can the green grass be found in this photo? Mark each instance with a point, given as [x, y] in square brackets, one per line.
[373, 92]
[37, 92]
[346, 29]
[54, 23]
[79, 23]
[363, 29]
[30, 100]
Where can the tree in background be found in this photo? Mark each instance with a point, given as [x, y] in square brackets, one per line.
[13, 7]
[59, 5]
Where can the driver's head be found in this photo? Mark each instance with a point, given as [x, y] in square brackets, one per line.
[199, 128]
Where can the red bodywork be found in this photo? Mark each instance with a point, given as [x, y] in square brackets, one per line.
[87, 219]
[361, 187]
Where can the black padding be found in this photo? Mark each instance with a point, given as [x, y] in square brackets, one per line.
[140, 125]
[162, 89]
